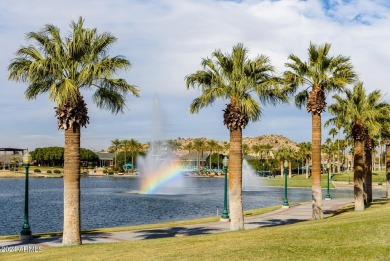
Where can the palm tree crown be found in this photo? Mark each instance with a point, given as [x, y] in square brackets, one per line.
[64, 66]
[234, 77]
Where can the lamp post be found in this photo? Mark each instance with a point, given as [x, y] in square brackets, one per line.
[25, 234]
[327, 197]
[225, 212]
[285, 201]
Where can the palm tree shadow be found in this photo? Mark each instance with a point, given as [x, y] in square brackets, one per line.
[276, 222]
[174, 231]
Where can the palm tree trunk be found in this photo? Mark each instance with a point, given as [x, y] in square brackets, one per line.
[358, 173]
[388, 171]
[71, 231]
[289, 170]
[316, 167]
[235, 180]
[368, 177]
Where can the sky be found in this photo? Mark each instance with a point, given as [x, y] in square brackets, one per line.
[165, 40]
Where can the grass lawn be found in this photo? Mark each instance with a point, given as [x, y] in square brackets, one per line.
[301, 181]
[348, 235]
[296, 181]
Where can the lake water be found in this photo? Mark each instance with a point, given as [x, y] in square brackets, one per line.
[114, 201]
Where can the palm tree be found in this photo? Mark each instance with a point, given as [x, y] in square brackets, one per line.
[234, 77]
[199, 145]
[212, 146]
[333, 132]
[386, 136]
[366, 113]
[305, 150]
[134, 147]
[115, 145]
[282, 154]
[320, 75]
[63, 67]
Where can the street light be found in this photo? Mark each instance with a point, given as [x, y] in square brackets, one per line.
[225, 212]
[327, 197]
[25, 234]
[285, 201]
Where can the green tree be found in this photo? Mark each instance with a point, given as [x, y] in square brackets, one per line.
[366, 113]
[212, 146]
[115, 145]
[234, 77]
[199, 145]
[318, 76]
[62, 67]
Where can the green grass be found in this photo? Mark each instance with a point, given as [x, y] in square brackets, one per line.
[348, 235]
[296, 181]
[377, 176]
[301, 181]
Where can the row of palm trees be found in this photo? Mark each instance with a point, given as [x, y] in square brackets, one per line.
[234, 77]
[64, 66]
[132, 146]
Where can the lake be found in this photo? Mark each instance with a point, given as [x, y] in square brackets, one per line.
[114, 201]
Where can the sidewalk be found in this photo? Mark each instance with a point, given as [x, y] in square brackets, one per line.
[282, 216]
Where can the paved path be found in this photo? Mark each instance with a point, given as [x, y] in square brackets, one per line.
[282, 216]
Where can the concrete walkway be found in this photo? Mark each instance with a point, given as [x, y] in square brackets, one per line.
[282, 216]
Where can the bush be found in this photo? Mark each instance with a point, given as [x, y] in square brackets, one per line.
[110, 172]
[56, 171]
[1, 167]
[6, 167]
[11, 169]
[105, 171]
[48, 171]
[37, 170]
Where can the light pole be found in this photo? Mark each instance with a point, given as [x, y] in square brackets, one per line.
[285, 201]
[25, 234]
[225, 212]
[327, 197]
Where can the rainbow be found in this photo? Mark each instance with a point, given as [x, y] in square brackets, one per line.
[152, 182]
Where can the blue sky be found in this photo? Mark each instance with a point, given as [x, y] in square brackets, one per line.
[165, 40]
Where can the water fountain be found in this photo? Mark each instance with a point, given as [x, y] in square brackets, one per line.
[160, 171]
[250, 181]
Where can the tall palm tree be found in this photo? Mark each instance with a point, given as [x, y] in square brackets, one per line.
[320, 75]
[62, 67]
[115, 145]
[234, 78]
[366, 113]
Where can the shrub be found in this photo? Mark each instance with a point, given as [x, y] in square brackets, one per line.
[48, 171]
[11, 169]
[105, 171]
[6, 167]
[1, 167]
[110, 172]
[37, 170]
[56, 171]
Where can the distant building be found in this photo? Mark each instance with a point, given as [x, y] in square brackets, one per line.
[106, 159]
